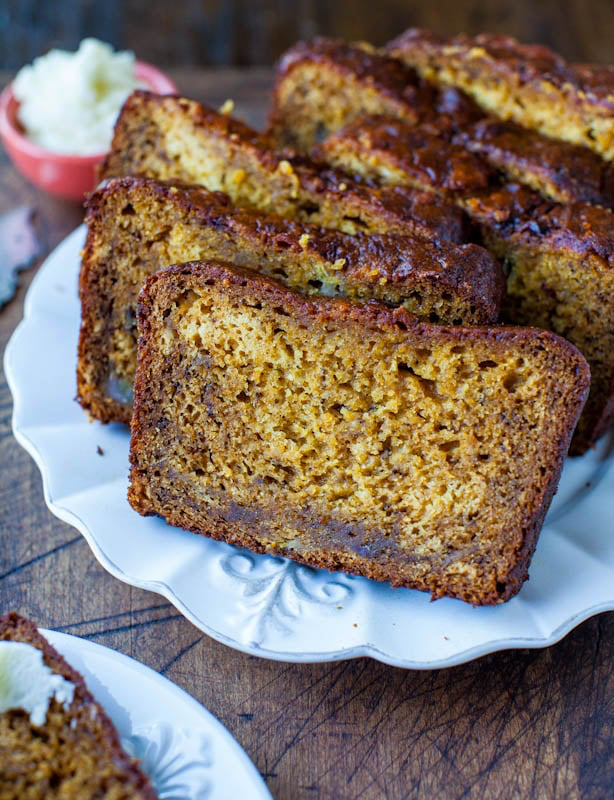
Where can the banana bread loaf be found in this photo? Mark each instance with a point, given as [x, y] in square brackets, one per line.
[176, 139]
[327, 79]
[349, 436]
[559, 258]
[69, 749]
[527, 83]
[137, 226]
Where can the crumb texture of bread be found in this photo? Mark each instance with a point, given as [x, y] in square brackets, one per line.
[559, 258]
[529, 84]
[180, 140]
[137, 226]
[75, 754]
[323, 84]
[349, 436]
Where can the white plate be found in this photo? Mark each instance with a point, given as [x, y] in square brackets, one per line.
[269, 606]
[186, 752]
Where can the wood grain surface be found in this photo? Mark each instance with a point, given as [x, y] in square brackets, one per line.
[516, 724]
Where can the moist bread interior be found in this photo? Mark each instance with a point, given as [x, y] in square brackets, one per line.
[346, 436]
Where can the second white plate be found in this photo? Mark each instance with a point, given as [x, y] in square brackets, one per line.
[269, 606]
[186, 752]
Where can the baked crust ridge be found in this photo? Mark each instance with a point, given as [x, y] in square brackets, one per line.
[527, 83]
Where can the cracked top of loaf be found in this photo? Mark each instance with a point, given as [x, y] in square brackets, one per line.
[576, 227]
[505, 55]
[438, 165]
[559, 170]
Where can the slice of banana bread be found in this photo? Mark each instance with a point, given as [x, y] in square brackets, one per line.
[440, 156]
[388, 151]
[73, 751]
[349, 436]
[559, 258]
[176, 139]
[560, 265]
[557, 170]
[324, 84]
[527, 83]
[137, 226]
[318, 83]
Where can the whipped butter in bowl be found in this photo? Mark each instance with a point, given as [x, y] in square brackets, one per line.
[57, 117]
[68, 102]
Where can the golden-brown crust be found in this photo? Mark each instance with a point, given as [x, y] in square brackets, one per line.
[521, 82]
[224, 154]
[356, 548]
[579, 228]
[387, 209]
[135, 783]
[528, 63]
[432, 164]
[560, 171]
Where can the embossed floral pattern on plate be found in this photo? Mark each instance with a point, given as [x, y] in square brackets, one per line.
[179, 762]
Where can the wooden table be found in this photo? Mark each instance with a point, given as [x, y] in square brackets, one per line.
[516, 724]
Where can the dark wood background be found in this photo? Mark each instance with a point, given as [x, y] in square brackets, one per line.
[518, 724]
[256, 32]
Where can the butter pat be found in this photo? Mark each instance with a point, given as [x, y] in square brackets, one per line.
[27, 682]
[69, 101]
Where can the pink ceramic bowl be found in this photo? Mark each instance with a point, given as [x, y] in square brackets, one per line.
[58, 173]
